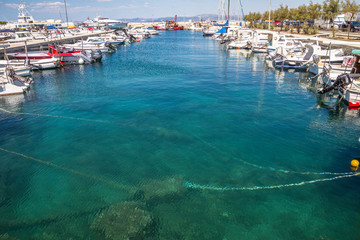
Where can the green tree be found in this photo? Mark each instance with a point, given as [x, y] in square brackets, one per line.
[301, 15]
[331, 8]
[282, 14]
[314, 11]
[350, 8]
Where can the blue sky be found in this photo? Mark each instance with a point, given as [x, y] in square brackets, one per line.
[80, 9]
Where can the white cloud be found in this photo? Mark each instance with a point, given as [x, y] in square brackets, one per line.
[104, 0]
[12, 5]
[146, 4]
[99, 10]
[47, 5]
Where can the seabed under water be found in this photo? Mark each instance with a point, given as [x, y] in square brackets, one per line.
[176, 138]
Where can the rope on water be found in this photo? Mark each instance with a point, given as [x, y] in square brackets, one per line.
[228, 188]
[269, 168]
[82, 174]
[195, 136]
[56, 116]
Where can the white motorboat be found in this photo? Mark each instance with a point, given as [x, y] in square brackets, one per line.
[35, 64]
[18, 70]
[105, 22]
[102, 39]
[284, 41]
[79, 46]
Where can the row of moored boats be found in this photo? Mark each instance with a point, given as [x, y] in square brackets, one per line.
[335, 72]
[16, 68]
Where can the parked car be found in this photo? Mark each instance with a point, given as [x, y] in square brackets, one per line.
[354, 26]
[277, 22]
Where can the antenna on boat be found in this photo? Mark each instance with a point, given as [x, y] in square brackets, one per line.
[67, 20]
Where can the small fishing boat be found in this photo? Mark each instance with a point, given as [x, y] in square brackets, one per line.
[294, 60]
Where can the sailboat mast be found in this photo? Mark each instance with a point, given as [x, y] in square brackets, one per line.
[229, 11]
[67, 20]
[269, 13]
[242, 10]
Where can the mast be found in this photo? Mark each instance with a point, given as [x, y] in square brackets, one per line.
[229, 11]
[269, 13]
[242, 10]
[219, 14]
[67, 20]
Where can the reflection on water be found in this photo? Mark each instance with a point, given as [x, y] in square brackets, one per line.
[15, 101]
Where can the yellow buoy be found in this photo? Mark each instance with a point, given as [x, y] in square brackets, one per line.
[354, 164]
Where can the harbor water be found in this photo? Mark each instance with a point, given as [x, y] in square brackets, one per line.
[207, 143]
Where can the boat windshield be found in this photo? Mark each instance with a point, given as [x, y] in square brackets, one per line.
[23, 35]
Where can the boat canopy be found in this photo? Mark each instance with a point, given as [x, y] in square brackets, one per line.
[222, 30]
[356, 52]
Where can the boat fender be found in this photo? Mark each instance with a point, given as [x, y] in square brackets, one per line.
[81, 61]
[354, 104]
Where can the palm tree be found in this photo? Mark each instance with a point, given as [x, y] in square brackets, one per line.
[331, 8]
[351, 8]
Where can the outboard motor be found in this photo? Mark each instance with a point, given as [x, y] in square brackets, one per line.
[341, 81]
[96, 55]
[109, 45]
[11, 73]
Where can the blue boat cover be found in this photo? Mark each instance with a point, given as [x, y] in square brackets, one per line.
[222, 30]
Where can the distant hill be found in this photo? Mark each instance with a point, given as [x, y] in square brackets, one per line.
[211, 17]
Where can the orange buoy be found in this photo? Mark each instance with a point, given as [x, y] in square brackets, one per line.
[354, 164]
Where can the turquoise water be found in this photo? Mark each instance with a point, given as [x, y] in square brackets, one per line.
[160, 115]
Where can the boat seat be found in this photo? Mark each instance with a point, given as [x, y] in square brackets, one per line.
[309, 53]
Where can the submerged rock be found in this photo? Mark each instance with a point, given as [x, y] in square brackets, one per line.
[124, 221]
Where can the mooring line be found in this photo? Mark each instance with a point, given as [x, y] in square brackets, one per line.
[227, 188]
[268, 168]
[50, 164]
[56, 116]
[195, 136]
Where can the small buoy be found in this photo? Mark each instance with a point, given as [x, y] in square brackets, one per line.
[354, 164]
[238, 47]
[81, 61]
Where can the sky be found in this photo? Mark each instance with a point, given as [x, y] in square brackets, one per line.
[79, 10]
